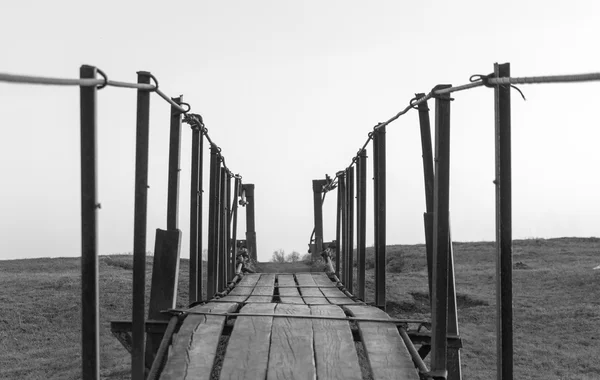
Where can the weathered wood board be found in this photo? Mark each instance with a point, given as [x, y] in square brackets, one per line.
[241, 293]
[335, 351]
[288, 295]
[263, 292]
[334, 295]
[310, 295]
[194, 349]
[291, 355]
[388, 356]
[247, 352]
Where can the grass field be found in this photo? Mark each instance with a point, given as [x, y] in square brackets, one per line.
[556, 309]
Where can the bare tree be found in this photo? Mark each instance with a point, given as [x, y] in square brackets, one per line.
[293, 257]
[278, 256]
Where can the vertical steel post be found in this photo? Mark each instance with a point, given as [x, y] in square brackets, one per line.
[250, 221]
[318, 216]
[361, 221]
[199, 274]
[344, 233]
[228, 216]
[428, 175]
[138, 332]
[350, 239]
[379, 190]
[234, 205]
[222, 230]
[195, 293]
[503, 225]
[213, 222]
[90, 339]
[174, 160]
[441, 235]
[339, 222]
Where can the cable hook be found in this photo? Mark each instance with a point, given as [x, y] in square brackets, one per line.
[100, 87]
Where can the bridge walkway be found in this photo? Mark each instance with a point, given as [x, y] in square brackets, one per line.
[288, 326]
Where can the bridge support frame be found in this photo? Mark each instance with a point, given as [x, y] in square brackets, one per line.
[318, 216]
[361, 222]
[195, 274]
[379, 193]
[250, 221]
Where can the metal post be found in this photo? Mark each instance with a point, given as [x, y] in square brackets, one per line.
[379, 190]
[361, 221]
[213, 222]
[222, 231]
[250, 221]
[350, 238]
[229, 270]
[174, 160]
[199, 274]
[503, 226]
[344, 230]
[234, 205]
[318, 216]
[90, 340]
[453, 362]
[428, 175]
[339, 218]
[138, 333]
[195, 292]
[441, 235]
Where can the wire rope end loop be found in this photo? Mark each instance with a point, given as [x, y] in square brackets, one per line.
[485, 79]
[181, 104]
[155, 82]
[104, 76]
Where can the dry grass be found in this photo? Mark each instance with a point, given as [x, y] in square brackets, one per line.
[556, 314]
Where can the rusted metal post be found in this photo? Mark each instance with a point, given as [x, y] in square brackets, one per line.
[90, 307]
[195, 285]
[234, 205]
[138, 333]
[250, 221]
[344, 231]
[222, 231]
[339, 221]
[379, 190]
[361, 221]
[428, 175]
[318, 216]
[503, 226]
[441, 236]
[350, 233]
[213, 222]
[174, 160]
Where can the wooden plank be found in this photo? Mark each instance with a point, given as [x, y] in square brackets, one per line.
[163, 291]
[386, 352]
[194, 348]
[243, 289]
[335, 296]
[291, 355]
[335, 351]
[289, 295]
[264, 290]
[310, 295]
[247, 355]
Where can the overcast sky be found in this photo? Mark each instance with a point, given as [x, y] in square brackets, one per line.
[289, 90]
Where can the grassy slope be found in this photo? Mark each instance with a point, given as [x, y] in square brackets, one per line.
[557, 310]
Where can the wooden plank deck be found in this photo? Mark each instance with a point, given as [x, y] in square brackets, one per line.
[266, 346]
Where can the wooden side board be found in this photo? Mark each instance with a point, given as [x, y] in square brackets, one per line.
[241, 293]
[263, 292]
[388, 356]
[291, 355]
[335, 351]
[247, 354]
[195, 346]
[288, 295]
[334, 295]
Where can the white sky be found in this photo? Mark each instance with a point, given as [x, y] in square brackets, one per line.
[290, 90]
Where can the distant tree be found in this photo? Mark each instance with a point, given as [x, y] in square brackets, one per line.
[278, 256]
[293, 257]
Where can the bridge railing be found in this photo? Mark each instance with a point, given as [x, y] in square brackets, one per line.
[445, 357]
[222, 218]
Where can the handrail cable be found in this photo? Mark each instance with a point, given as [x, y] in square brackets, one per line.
[478, 81]
[53, 81]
